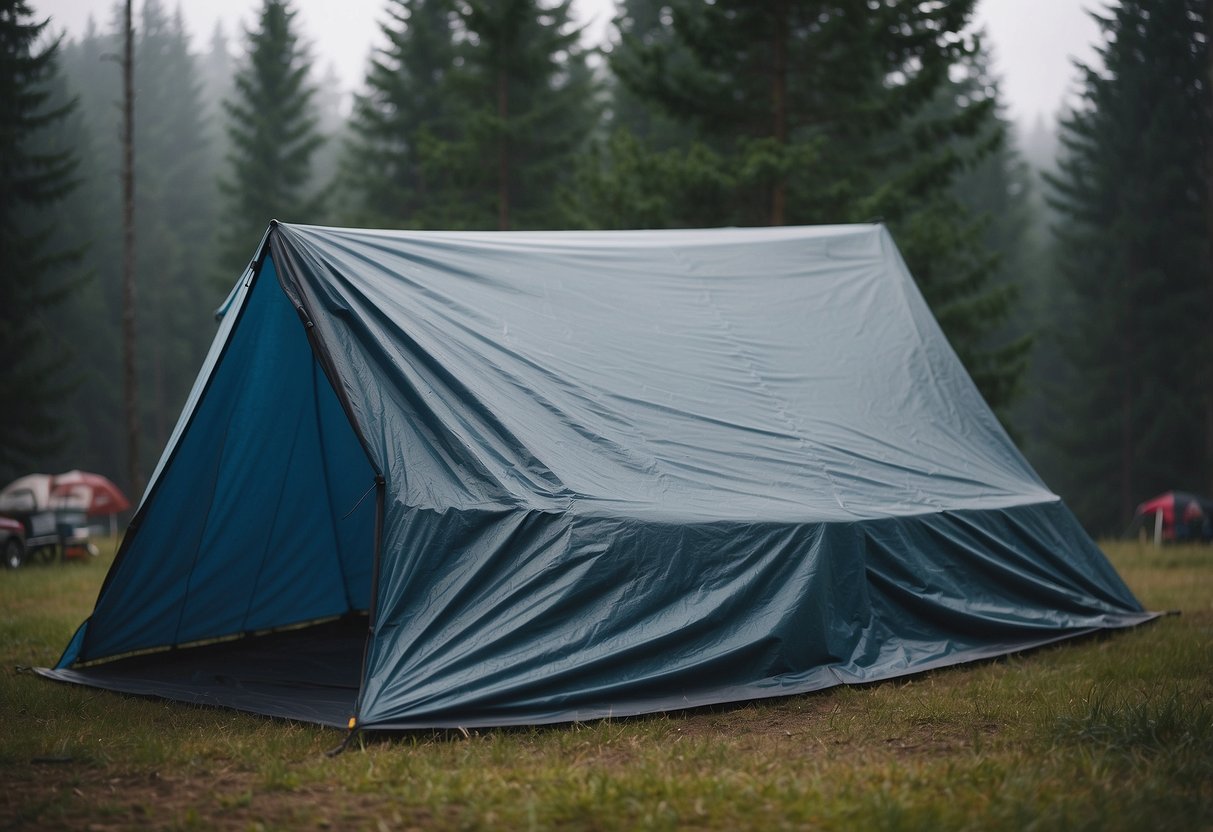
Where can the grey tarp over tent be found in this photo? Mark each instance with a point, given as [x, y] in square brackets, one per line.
[535, 477]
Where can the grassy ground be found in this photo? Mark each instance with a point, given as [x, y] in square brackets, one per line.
[1111, 733]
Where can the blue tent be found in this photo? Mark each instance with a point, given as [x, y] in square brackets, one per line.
[458, 479]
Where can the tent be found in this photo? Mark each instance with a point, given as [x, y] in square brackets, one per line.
[467, 479]
[1175, 516]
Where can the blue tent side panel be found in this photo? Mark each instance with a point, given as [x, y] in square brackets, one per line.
[255, 520]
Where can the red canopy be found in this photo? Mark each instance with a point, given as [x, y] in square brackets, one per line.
[92, 492]
[1184, 516]
[1164, 503]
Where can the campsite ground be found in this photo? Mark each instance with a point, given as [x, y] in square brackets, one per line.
[1112, 732]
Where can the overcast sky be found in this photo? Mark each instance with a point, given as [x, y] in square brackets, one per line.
[1034, 41]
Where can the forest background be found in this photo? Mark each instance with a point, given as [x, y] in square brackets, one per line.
[1071, 273]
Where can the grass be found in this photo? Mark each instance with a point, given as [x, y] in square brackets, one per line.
[1113, 732]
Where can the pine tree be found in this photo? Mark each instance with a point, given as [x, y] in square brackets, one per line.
[273, 133]
[1035, 413]
[217, 72]
[528, 106]
[331, 124]
[34, 175]
[1134, 244]
[175, 215]
[474, 117]
[652, 169]
[408, 104]
[93, 410]
[640, 26]
[997, 184]
[967, 244]
[794, 89]
[130, 376]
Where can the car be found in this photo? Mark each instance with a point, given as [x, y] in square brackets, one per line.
[12, 542]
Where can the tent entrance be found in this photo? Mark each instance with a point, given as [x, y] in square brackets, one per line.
[309, 673]
[260, 523]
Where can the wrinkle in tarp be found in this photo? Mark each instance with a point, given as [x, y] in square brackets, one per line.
[622, 472]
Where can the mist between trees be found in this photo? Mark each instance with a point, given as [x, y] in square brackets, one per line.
[1080, 303]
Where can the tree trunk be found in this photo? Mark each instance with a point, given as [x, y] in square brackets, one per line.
[130, 393]
[1128, 359]
[779, 107]
[503, 152]
[1126, 450]
[1208, 399]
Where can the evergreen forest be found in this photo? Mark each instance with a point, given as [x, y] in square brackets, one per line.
[1070, 267]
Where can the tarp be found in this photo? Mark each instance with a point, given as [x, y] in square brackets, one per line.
[580, 474]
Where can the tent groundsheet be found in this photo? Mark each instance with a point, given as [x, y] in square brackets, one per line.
[472, 478]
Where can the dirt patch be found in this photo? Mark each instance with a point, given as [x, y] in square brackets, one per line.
[818, 725]
[934, 740]
[781, 718]
[80, 797]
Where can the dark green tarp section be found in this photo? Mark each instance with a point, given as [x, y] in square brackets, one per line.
[622, 472]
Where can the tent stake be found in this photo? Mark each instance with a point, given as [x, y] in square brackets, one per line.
[334, 752]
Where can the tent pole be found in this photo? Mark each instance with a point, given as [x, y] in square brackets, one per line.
[380, 488]
[354, 726]
[1158, 527]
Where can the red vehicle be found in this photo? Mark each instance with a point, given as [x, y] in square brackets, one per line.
[12, 542]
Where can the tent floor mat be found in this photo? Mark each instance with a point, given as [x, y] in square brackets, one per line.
[310, 673]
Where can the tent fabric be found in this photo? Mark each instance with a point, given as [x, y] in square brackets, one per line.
[614, 473]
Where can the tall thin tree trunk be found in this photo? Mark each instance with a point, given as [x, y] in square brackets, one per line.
[503, 152]
[1128, 347]
[161, 397]
[130, 393]
[779, 107]
[1209, 243]
[1126, 450]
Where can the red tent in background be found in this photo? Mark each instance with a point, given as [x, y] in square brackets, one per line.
[49, 497]
[1176, 516]
[92, 492]
[82, 491]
